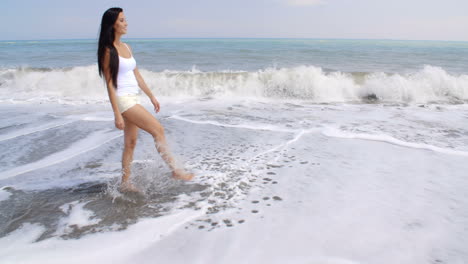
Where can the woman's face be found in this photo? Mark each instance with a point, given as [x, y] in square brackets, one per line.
[120, 26]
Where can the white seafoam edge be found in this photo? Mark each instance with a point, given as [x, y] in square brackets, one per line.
[76, 216]
[4, 195]
[333, 132]
[336, 133]
[111, 247]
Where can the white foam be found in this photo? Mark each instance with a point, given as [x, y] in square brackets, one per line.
[282, 145]
[77, 216]
[110, 247]
[25, 235]
[4, 194]
[333, 132]
[428, 85]
[78, 84]
[83, 85]
[312, 83]
[245, 126]
[89, 143]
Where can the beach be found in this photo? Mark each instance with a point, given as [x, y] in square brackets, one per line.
[304, 151]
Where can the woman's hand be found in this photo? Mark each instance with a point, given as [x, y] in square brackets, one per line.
[119, 122]
[155, 103]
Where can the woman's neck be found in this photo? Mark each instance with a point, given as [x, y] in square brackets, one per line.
[117, 40]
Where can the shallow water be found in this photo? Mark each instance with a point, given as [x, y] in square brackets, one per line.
[341, 154]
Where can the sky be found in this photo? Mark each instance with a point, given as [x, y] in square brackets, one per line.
[348, 19]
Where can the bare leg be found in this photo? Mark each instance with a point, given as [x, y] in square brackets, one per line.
[130, 139]
[144, 120]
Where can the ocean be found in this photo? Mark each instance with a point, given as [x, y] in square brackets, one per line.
[304, 150]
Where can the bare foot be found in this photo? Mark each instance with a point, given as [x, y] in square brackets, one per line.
[182, 175]
[128, 187]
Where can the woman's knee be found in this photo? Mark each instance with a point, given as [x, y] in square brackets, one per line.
[130, 143]
[157, 131]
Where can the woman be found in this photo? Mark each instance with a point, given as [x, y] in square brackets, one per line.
[116, 63]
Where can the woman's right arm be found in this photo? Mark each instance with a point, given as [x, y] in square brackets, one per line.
[119, 121]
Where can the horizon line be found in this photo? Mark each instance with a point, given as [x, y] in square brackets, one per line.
[298, 38]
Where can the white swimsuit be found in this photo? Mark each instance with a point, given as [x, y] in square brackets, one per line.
[127, 85]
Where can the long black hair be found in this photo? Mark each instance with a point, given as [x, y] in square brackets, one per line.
[106, 41]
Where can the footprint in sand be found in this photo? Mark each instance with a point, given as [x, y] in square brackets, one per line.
[277, 198]
[228, 222]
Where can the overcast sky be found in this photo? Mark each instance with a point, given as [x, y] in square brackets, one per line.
[369, 19]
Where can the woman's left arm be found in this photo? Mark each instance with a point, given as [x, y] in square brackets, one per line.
[146, 90]
[144, 87]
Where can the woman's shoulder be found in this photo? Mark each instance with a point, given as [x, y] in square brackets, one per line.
[128, 46]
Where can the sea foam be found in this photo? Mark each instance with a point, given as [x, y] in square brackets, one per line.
[83, 85]
[4, 194]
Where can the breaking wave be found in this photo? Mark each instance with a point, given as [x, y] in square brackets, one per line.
[82, 84]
